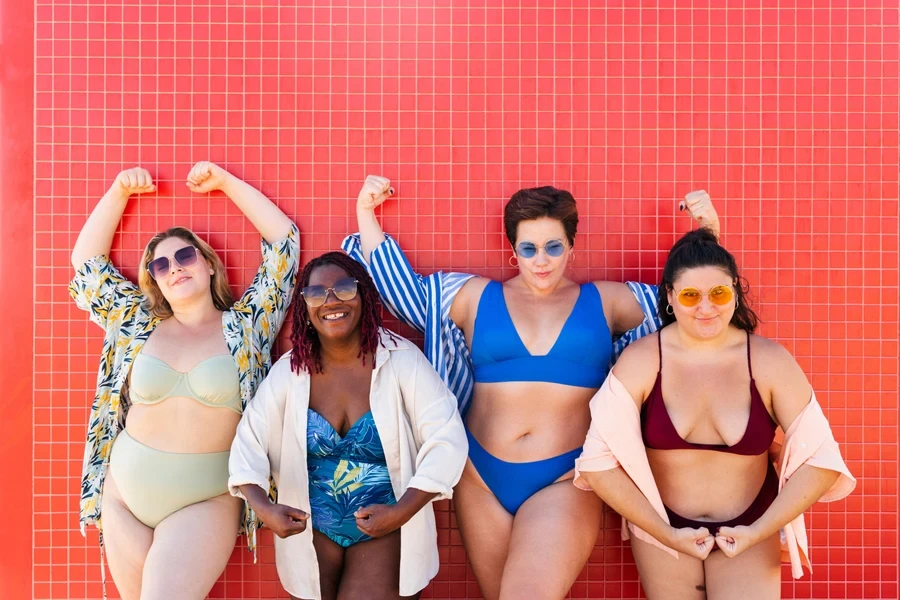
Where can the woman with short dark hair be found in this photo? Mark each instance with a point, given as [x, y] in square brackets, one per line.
[529, 353]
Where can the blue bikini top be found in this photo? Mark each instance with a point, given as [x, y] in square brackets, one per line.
[580, 356]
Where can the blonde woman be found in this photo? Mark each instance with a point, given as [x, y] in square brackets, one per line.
[180, 361]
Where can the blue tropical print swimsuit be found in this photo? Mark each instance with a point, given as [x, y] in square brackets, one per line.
[345, 474]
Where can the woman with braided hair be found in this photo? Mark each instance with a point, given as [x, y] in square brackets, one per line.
[360, 435]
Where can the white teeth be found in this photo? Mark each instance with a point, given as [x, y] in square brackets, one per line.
[334, 316]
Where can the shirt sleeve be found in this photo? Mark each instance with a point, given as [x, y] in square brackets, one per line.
[259, 430]
[403, 291]
[437, 427]
[101, 290]
[269, 295]
[647, 296]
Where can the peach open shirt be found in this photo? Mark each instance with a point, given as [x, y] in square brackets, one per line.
[614, 439]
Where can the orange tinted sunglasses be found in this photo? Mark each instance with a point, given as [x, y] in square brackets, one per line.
[719, 295]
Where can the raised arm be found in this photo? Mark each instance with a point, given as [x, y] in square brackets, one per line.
[417, 300]
[273, 225]
[374, 192]
[97, 234]
[627, 307]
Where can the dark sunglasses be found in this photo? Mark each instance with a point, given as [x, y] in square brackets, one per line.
[554, 248]
[316, 295]
[184, 257]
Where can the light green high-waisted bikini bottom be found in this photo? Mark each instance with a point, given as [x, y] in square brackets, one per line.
[155, 484]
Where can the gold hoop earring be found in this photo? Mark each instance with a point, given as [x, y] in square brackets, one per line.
[511, 259]
[670, 310]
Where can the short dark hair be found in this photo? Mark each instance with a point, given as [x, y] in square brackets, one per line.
[306, 347]
[539, 202]
[700, 248]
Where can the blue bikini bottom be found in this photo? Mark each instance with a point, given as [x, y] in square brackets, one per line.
[515, 482]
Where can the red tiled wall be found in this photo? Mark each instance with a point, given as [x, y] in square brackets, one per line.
[788, 116]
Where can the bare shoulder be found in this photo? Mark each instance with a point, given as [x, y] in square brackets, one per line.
[779, 379]
[772, 362]
[622, 310]
[638, 365]
[472, 288]
[466, 301]
[612, 290]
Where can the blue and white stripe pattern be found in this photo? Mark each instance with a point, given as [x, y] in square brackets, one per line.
[424, 303]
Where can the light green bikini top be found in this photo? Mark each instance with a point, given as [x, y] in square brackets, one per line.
[213, 382]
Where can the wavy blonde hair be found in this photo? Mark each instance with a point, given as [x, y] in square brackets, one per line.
[154, 301]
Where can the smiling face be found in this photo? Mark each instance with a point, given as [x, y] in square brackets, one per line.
[705, 320]
[336, 319]
[182, 283]
[542, 271]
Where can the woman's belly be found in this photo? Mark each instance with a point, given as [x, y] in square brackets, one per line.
[182, 425]
[705, 485]
[528, 421]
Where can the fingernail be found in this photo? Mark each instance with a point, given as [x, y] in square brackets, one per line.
[391, 191]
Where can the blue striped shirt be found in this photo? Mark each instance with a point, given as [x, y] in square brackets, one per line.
[424, 304]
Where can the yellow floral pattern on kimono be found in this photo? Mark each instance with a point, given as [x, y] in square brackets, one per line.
[117, 305]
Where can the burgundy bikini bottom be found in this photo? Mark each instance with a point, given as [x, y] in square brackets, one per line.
[763, 501]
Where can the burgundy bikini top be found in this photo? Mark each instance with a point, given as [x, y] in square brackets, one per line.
[660, 434]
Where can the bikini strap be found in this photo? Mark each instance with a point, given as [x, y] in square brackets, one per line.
[659, 339]
[749, 366]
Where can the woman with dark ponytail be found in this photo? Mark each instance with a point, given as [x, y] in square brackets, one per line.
[682, 451]
[359, 435]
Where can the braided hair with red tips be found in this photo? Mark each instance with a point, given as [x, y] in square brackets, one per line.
[306, 347]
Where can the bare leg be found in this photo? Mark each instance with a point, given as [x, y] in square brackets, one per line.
[330, 557]
[127, 541]
[552, 537]
[485, 528]
[751, 575]
[372, 570]
[190, 549]
[665, 577]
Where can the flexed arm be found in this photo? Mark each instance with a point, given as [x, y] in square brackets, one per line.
[97, 234]
[272, 224]
[626, 308]
[374, 192]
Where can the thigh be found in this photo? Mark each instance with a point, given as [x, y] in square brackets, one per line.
[552, 537]
[752, 575]
[665, 577]
[330, 556]
[190, 549]
[127, 541]
[372, 569]
[485, 528]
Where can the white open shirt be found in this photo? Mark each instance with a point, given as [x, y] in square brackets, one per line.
[424, 442]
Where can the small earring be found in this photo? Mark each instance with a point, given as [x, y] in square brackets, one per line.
[212, 272]
[513, 258]
[670, 310]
